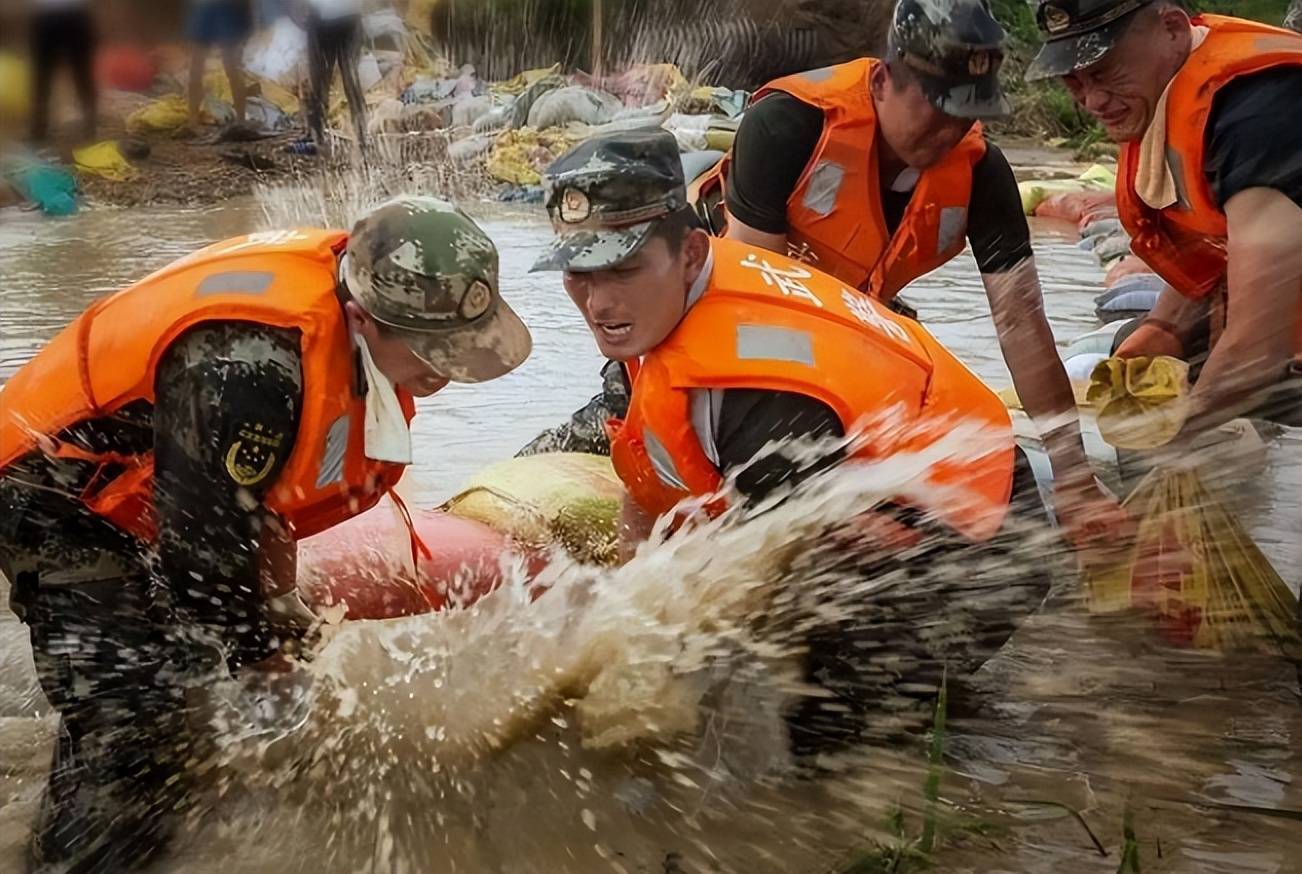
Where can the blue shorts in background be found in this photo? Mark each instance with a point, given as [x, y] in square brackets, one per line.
[219, 22]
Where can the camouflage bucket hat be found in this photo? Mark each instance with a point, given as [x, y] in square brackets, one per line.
[605, 197]
[422, 268]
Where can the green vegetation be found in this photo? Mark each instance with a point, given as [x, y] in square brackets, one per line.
[904, 854]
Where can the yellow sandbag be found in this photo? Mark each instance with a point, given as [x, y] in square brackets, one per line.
[522, 81]
[280, 96]
[720, 139]
[15, 87]
[1196, 571]
[1036, 191]
[568, 498]
[1141, 402]
[519, 155]
[164, 115]
[104, 160]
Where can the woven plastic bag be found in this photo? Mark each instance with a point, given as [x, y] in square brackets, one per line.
[1196, 571]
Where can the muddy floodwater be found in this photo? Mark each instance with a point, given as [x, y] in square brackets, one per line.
[1083, 724]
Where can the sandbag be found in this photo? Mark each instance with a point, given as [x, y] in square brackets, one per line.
[572, 499]
[519, 156]
[1073, 206]
[105, 160]
[469, 148]
[1097, 341]
[1112, 247]
[1196, 571]
[1133, 296]
[572, 104]
[363, 566]
[468, 110]
[164, 115]
[522, 81]
[1128, 265]
[689, 130]
[1036, 191]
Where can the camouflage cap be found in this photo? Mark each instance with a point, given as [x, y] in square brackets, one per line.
[1078, 33]
[955, 48]
[425, 270]
[605, 197]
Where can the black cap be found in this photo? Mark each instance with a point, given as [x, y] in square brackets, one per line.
[955, 48]
[1078, 33]
[606, 195]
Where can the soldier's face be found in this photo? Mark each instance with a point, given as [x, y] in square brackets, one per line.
[1122, 90]
[632, 307]
[917, 132]
[394, 358]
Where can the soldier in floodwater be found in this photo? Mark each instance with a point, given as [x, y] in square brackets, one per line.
[161, 456]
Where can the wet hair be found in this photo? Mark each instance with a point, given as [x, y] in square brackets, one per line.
[674, 228]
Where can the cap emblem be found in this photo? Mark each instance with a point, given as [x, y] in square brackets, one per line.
[476, 300]
[575, 206]
[979, 63]
[1056, 19]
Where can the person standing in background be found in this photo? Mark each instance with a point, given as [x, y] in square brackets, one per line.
[225, 24]
[334, 37]
[62, 30]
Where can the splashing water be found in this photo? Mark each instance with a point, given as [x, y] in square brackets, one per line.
[640, 711]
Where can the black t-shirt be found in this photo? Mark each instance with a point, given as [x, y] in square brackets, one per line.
[749, 419]
[777, 139]
[1254, 139]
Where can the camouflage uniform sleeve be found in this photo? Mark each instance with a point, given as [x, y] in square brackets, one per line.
[585, 431]
[228, 399]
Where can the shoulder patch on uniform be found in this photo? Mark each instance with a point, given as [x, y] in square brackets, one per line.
[252, 456]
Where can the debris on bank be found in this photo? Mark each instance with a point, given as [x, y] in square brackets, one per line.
[501, 134]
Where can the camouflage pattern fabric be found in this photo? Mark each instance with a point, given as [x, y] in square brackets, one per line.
[606, 195]
[955, 49]
[1078, 33]
[422, 268]
[585, 430]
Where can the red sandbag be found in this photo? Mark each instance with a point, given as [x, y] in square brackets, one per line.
[1075, 205]
[1097, 214]
[125, 68]
[1125, 267]
[364, 562]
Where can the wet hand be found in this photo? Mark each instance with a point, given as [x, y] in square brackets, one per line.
[1090, 517]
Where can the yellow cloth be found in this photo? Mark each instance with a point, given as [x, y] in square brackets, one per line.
[1141, 402]
[524, 80]
[15, 87]
[105, 160]
[519, 155]
[164, 115]
[1154, 182]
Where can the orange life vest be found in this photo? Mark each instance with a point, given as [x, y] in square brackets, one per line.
[834, 216]
[769, 322]
[1186, 243]
[107, 358]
